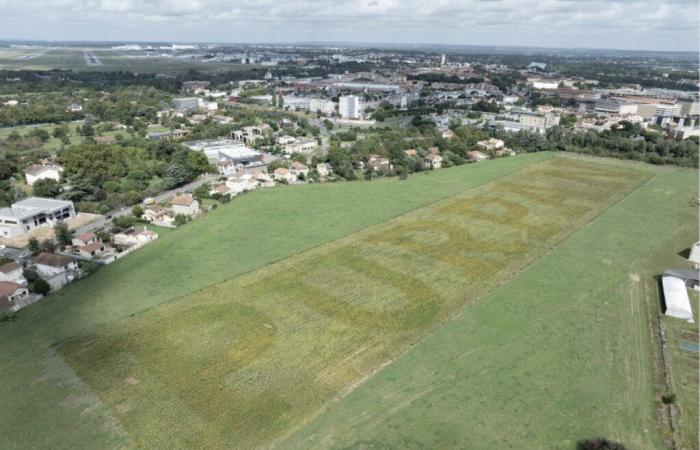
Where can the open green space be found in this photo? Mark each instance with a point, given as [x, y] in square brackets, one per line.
[73, 58]
[236, 238]
[246, 361]
[558, 355]
[239, 329]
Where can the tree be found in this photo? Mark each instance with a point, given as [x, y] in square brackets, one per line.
[180, 219]
[46, 187]
[202, 192]
[48, 246]
[34, 245]
[137, 211]
[63, 234]
[39, 286]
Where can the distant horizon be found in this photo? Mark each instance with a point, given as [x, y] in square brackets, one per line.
[327, 43]
[630, 25]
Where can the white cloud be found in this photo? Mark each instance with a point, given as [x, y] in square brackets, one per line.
[595, 23]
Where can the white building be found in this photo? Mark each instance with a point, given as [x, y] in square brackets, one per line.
[188, 103]
[217, 150]
[33, 212]
[676, 298]
[185, 204]
[57, 270]
[538, 83]
[324, 170]
[326, 107]
[37, 172]
[134, 238]
[350, 107]
[491, 144]
[13, 272]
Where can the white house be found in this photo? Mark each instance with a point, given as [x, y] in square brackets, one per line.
[324, 170]
[158, 215]
[476, 155]
[37, 172]
[434, 160]
[57, 270]
[84, 239]
[185, 204]
[283, 174]
[13, 272]
[134, 238]
[11, 292]
[379, 164]
[298, 168]
[491, 144]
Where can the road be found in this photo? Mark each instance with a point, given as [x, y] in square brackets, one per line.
[100, 223]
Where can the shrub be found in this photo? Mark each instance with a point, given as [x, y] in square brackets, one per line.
[599, 444]
[39, 286]
[668, 399]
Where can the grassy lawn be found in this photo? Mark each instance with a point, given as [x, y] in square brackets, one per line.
[112, 60]
[559, 354]
[215, 337]
[60, 410]
[281, 342]
[53, 143]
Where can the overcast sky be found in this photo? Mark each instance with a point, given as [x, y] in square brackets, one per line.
[623, 24]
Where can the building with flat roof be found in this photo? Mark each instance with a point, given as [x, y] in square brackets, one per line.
[217, 150]
[33, 212]
[350, 107]
[188, 103]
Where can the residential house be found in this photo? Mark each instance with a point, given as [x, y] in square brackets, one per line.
[221, 189]
[411, 152]
[13, 272]
[491, 144]
[57, 270]
[10, 293]
[433, 160]
[298, 169]
[283, 174]
[324, 170]
[37, 172]
[379, 164]
[263, 178]
[158, 215]
[476, 155]
[95, 249]
[135, 238]
[84, 239]
[185, 204]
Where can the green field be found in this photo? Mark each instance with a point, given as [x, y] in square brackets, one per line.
[73, 58]
[216, 336]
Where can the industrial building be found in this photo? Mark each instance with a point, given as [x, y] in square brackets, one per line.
[217, 150]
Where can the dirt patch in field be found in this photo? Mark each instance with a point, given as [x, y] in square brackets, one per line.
[132, 381]
[634, 277]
